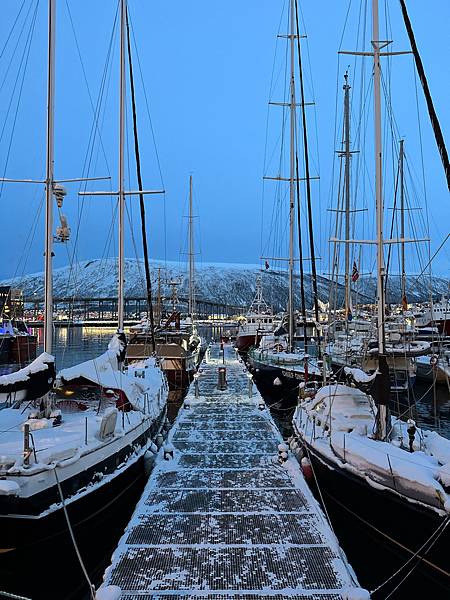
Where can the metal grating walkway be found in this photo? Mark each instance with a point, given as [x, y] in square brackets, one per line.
[223, 519]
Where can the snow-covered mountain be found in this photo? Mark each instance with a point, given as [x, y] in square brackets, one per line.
[224, 283]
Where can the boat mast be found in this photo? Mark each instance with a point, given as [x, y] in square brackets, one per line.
[292, 181]
[347, 156]
[382, 385]
[49, 181]
[402, 222]
[191, 255]
[121, 189]
[378, 177]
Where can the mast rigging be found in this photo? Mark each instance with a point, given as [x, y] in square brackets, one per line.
[148, 281]
[426, 90]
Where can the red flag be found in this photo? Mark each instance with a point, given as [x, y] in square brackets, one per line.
[355, 273]
[266, 264]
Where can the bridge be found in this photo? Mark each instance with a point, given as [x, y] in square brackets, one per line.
[105, 309]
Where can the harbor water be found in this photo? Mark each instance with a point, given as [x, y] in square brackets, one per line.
[66, 580]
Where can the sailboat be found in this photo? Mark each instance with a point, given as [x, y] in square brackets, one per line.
[353, 341]
[258, 321]
[387, 476]
[74, 451]
[177, 344]
[277, 361]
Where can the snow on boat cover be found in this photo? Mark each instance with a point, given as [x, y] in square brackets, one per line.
[226, 512]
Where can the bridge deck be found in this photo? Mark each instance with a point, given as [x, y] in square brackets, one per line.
[223, 518]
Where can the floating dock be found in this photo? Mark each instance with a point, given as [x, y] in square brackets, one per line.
[226, 513]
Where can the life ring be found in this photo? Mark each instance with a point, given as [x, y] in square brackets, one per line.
[433, 360]
[278, 348]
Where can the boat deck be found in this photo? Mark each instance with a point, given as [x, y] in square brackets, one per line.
[224, 518]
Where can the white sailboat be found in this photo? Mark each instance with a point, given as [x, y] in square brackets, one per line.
[80, 446]
[277, 361]
[354, 341]
[386, 475]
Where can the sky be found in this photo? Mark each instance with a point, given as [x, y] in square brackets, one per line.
[209, 70]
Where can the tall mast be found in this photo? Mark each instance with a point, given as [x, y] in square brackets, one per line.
[191, 254]
[121, 189]
[402, 221]
[347, 156]
[292, 181]
[378, 177]
[382, 383]
[49, 176]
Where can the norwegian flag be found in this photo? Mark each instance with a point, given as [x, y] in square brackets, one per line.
[355, 273]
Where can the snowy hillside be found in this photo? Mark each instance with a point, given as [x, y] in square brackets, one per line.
[225, 283]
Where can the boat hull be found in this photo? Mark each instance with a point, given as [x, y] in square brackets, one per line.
[32, 527]
[272, 382]
[392, 529]
[97, 521]
[436, 374]
[35, 386]
[244, 342]
[401, 381]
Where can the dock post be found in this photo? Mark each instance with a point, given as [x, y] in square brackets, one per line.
[197, 394]
[250, 385]
[222, 378]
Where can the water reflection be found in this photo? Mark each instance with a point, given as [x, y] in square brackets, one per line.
[429, 405]
[77, 344]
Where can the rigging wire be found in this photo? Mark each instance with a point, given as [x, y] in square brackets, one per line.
[23, 62]
[429, 101]
[307, 174]
[13, 54]
[147, 105]
[271, 87]
[95, 133]
[141, 197]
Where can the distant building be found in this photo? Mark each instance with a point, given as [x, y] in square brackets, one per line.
[11, 303]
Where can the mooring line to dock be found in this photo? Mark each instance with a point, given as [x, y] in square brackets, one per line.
[14, 596]
[72, 536]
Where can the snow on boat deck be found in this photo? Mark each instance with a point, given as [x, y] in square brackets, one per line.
[223, 518]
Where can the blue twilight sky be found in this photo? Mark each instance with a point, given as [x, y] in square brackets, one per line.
[209, 70]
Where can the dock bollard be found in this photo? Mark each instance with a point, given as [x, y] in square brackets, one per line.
[109, 592]
[168, 452]
[250, 385]
[282, 453]
[222, 378]
[196, 390]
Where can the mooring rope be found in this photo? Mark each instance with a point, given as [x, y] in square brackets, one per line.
[69, 526]
[15, 596]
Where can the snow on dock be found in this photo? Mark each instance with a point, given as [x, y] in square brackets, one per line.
[224, 514]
